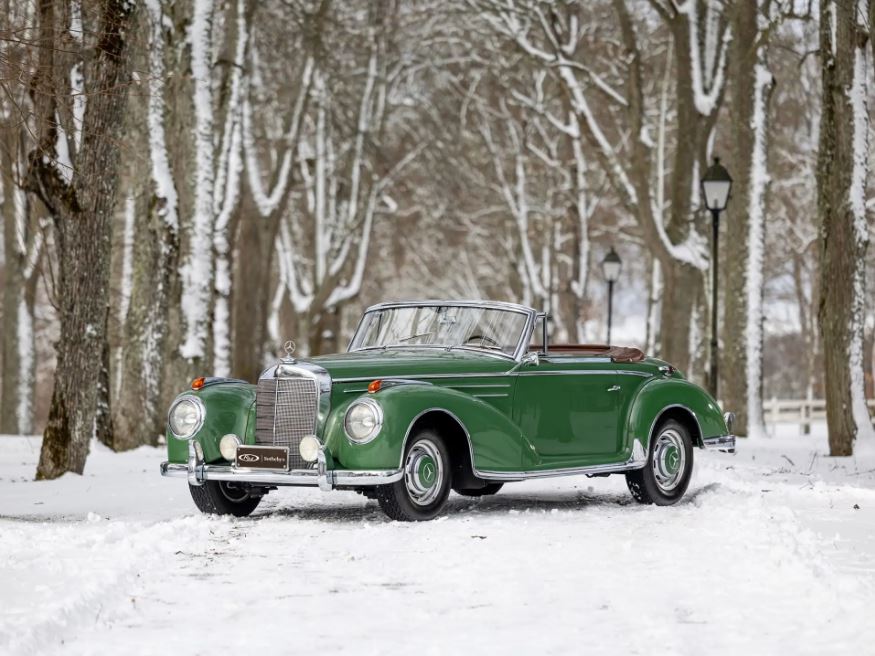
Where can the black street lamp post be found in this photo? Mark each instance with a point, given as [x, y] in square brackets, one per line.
[611, 267]
[716, 184]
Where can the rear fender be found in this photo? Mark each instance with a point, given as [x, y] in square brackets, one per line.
[662, 398]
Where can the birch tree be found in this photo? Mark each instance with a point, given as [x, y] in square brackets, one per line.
[277, 95]
[541, 174]
[553, 35]
[22, 231]
[743, 280]
[180, 280]
[325, 237]
[23, 248]
[842, 173]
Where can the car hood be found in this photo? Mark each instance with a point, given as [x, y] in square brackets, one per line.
[409, 363]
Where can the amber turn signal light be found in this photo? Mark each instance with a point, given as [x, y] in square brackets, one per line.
[375, 386]
[198, 383]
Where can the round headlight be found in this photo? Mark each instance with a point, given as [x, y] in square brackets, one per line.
[228, 446]
[363, 421]
[186, 417]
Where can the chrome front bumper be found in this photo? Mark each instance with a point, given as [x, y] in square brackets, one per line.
[325, 479]
[720, 443]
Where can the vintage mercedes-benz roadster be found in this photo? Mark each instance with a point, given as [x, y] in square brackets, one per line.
[435, 396]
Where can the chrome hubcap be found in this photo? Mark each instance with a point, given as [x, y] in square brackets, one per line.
[669, 460]
[423, 472]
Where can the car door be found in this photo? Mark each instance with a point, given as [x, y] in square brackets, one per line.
[568, 409]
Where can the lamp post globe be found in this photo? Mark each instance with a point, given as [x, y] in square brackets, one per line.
[612, 265]
[716, 185]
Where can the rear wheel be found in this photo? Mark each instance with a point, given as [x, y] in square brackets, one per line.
[664, 479]
[423, 490]
[222, 498]
[485, 491]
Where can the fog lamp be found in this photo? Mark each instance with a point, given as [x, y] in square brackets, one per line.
[309, 448]
[228, 446]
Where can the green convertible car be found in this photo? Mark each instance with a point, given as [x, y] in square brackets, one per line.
[434, 396]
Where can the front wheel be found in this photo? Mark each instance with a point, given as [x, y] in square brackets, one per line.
[423, 490]
[665, 477]
[221, 498]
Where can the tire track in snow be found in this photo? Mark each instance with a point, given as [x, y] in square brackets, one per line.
[542, 568]
[70, 577]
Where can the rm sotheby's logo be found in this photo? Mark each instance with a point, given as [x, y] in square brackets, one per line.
[248, 457]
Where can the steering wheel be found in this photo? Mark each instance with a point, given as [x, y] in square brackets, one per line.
[483, 338]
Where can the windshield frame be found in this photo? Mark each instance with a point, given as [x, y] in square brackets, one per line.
[525, 334]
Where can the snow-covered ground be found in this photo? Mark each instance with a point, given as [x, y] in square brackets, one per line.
[772, 552]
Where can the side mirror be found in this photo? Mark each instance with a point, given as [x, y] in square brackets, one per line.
[531, 359]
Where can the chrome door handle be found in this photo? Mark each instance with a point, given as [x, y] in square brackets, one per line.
[615, 388]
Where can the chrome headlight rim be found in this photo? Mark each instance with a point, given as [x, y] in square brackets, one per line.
[201, 416]
[378, 421]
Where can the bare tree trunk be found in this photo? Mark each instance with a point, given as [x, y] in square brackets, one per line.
[253, 286]
[103, 426]
[22, 245]
[743, 280]
[139, 411]
[22, 236]
[841, 177]
[82, 209]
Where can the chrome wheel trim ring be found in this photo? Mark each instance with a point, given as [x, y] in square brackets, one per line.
[423, 491]
[668, 460]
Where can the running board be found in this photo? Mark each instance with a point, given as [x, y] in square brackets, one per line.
[636, 461]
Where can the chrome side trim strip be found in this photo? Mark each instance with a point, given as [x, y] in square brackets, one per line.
[512, 372]
[636, 461]
[720, 443]
[572, 359]
[586, 372]
[361, 379]
[489, 396]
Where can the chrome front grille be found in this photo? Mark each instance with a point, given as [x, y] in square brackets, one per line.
[285, 411]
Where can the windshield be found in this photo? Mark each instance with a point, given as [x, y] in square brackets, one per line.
[447, 326]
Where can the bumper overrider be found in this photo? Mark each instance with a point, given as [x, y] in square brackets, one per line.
[720, 443]
[197, 472]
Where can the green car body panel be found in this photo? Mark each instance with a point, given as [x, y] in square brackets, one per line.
[562, 412]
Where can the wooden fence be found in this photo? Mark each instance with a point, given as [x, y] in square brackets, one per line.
[802, 412]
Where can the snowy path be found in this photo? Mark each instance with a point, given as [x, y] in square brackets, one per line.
[765, 557]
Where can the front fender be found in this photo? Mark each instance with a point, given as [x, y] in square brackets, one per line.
[662, 395]
[230, 408]
[496, 442]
